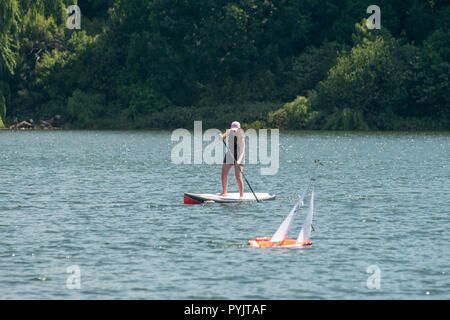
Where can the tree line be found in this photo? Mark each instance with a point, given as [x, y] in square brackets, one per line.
[292, 64]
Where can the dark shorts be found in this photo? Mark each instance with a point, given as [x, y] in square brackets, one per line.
[233, 160]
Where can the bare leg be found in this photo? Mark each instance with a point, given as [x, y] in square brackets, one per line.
[225, 171]
[239, 181]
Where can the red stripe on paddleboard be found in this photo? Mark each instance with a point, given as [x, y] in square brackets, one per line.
[188, 200]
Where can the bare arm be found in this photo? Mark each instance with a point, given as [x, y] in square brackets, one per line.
[223, 136]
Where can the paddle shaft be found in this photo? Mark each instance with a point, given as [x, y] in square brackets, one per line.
[245, 178]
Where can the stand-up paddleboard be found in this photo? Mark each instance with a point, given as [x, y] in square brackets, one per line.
[197, 198]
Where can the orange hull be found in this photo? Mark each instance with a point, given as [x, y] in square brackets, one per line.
[287, 243]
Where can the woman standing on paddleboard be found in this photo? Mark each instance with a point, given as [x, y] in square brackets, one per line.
[236, 143]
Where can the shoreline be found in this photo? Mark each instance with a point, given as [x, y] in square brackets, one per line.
[371, 131]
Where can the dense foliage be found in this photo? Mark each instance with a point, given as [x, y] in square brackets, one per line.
[295, 64]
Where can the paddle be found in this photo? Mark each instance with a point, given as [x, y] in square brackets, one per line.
[239, 167]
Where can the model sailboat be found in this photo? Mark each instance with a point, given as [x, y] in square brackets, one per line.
[280, 237]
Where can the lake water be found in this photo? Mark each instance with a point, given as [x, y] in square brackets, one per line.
[109, 205]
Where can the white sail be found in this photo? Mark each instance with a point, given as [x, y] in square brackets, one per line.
[306, 228]
[283, 229]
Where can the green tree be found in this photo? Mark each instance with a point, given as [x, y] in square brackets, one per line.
[293, 115]
[9, 23]
[428, 80]
[313, 64]
[9, 19]
[84, 108]
[369, 79]
[40, 38]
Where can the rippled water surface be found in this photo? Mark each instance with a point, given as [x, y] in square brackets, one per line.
[110, 205]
